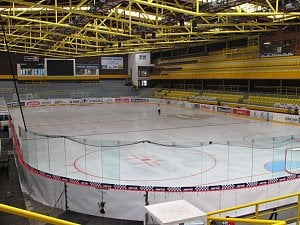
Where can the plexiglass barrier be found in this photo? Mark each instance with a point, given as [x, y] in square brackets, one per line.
[167, 164]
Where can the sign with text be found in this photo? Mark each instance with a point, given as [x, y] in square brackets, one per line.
[112, 63]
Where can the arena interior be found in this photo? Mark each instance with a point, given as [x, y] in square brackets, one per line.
[149, 112]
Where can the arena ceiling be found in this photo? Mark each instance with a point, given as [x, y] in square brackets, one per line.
[77, 28]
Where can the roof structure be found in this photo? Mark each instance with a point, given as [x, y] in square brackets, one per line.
[81, 28]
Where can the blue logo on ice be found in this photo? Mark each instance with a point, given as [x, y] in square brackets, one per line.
[278, 166]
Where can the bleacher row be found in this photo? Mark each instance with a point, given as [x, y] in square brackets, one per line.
[174, 95]
[236, 59]
[272, 101]
[228, 98]
[214, 56]
[283, 64]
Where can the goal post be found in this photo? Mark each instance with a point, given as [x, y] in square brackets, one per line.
[292, 160]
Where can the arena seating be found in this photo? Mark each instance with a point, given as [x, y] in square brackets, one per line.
[195, 96]
[279, 102]
[161, 93]
[238, 61]
[174, 94]
[233, 98]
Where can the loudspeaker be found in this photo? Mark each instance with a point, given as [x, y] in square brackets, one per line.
[181, 22]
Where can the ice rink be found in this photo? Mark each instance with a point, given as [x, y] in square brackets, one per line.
[129, 143]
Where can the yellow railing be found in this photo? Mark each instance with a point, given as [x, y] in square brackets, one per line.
[250, 221]
[33, 215]
[256, 216]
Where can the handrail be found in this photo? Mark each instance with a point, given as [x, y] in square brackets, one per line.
[251, 221]
[33, 215]
[212, 216]
[254, 203]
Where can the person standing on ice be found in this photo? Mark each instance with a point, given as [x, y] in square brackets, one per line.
[158, 109]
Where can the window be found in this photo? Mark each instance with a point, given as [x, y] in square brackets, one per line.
[142, 57]
[143, 83]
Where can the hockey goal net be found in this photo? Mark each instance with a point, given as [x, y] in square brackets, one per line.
[292, 160]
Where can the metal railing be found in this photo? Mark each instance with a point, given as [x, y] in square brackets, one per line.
[261, 215]
[33, 215]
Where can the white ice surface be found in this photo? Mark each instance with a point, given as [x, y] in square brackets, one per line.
[192, 161]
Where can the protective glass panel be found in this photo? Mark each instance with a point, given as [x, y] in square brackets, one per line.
[167, 164]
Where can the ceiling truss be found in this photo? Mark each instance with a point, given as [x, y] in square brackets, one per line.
[80, 28]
